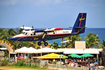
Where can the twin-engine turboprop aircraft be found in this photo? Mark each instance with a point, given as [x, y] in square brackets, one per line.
[31, 34]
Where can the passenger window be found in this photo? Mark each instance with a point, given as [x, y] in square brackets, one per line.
[34, 33]
[53, 32]
[26, 34]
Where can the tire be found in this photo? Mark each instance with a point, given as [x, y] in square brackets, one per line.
[39, 43]
[45, 44]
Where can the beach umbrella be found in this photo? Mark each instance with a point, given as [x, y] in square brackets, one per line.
[74, 55]
[87, 55]
[63, 55]
[51, 56]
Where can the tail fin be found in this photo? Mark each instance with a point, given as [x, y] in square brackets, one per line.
[79, 26]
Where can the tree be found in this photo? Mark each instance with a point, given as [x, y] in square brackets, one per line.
[91, 40]
[55, 45]
[11, 32]
[72, 40]
[103, 44]
[4, 35]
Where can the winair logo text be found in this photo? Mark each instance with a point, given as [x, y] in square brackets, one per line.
[35, 38]
[81, 19]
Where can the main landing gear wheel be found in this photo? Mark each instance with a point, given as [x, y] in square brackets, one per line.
[39, 43]
[45, 44]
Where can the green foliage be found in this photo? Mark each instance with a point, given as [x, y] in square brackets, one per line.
[11, 32]
[4, 35]
[91, 40]
[103, 44]
[72, 40]
[55, 45]
[1, 46]
[4, 62]
[6, 54]
[20, 63]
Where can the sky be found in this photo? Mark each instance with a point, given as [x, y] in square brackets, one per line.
[51, 13]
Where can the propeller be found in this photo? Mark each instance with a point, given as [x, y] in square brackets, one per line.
[32, 27]
[23, 27]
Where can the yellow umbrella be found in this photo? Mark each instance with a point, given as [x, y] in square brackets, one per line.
[51, 56]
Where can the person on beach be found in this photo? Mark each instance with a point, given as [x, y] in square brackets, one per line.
[89, 67]
[47, 64]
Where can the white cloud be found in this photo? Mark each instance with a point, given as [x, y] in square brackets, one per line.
[8, 2]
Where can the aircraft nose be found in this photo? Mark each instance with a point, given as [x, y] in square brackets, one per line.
[11, 38]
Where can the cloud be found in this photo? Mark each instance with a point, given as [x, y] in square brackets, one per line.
[8, 2]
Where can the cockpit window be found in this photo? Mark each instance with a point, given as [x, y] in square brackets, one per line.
[23, 33]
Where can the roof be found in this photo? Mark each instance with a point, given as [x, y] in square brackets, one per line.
[64, 50]
[71, 51]
[80, 51]
[3, 48]
[46, 49]
[27, 50]
[91, 51]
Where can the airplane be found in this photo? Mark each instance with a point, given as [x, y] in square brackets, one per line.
[31, 34]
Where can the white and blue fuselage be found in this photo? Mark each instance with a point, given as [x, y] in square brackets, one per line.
[32, 35]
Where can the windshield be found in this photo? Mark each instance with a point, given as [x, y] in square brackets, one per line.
[23, 33]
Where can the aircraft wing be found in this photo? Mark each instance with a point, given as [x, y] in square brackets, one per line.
[25, 27]
[53, 29]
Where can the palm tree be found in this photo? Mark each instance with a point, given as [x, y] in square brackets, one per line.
[11, 32]
[103, 44]
[4, 35]
[91, 40]
[55, 45]
[72, 40]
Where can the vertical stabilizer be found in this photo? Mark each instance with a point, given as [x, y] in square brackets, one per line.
[79, 26]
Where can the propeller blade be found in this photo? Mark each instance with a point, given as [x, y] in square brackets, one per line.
[32, 27]
[23, 26]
